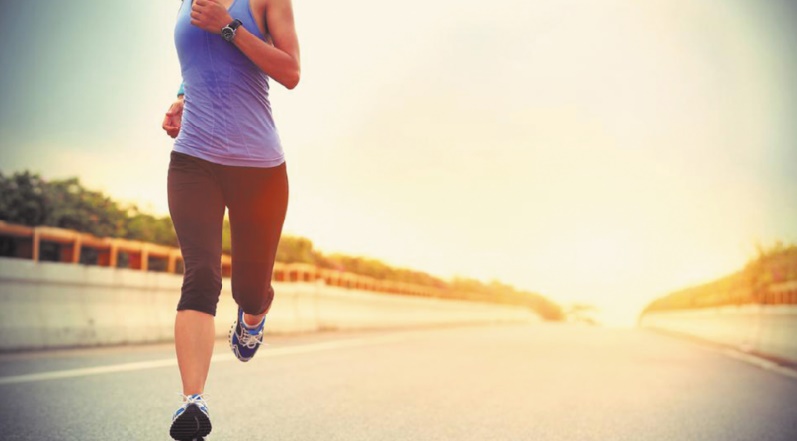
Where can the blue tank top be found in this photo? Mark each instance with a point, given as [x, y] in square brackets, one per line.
[227, 115]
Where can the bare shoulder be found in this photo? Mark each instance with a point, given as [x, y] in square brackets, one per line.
[263, 6]
[278, 3]
[258, 7]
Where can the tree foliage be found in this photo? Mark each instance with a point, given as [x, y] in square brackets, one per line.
[25, 198]
[772, 264]
[498, 292]
[22, 199]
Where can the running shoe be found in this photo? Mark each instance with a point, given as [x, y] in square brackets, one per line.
[191, 422]
[245, 339]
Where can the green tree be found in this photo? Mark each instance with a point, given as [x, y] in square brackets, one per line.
[295, 249]
[22, 199]
[69, 205]
[146, 227]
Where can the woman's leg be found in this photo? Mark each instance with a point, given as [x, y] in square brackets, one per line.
[194, 334]
[196, 205]
[257, 199]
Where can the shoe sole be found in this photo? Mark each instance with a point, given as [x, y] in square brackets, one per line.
[191, 425]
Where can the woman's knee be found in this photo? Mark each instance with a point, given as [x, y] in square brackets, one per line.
[201, 289]
[202, 277]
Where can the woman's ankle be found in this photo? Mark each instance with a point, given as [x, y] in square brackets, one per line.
[253, 321]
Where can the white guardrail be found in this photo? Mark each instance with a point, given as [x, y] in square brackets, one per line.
[768, 330]
[54, 305]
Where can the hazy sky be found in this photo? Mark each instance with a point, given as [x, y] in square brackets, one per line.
[603, 151]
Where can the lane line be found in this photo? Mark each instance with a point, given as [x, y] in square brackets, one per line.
[759, 362]
[154, 364]
[730, 352]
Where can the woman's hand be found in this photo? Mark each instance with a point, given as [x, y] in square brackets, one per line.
[210, 15]
[174, 118]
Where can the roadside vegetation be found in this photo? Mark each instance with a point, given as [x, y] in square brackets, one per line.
[28, 199]
[756, 283]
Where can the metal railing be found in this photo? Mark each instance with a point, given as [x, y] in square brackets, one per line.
[71, 245]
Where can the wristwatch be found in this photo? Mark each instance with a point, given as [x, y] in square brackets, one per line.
[228, 32]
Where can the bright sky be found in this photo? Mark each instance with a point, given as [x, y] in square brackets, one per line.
[604, 152]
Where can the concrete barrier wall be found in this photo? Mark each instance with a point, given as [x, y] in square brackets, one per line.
[769, 330]
[54, 305]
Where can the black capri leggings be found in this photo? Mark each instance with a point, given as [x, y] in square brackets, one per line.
[257, 199]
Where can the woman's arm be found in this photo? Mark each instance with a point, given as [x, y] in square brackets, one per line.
[280, 61]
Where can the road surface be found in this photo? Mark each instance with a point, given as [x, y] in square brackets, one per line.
[508, 382]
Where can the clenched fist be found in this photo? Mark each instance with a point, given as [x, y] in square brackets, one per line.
[174, 118]
[210, 15]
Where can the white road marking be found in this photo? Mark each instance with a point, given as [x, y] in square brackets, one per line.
[738, 354]
[760, 362]
[153, 364]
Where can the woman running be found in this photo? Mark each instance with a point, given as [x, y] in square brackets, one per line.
[227, 153]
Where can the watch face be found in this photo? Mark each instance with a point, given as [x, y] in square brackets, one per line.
[227, 33]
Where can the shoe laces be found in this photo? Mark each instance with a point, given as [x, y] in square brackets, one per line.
[249, 340]
[198, 399]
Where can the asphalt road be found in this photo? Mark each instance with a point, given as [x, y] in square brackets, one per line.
[519, 382]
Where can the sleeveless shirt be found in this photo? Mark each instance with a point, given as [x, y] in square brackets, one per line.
[227, 115]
